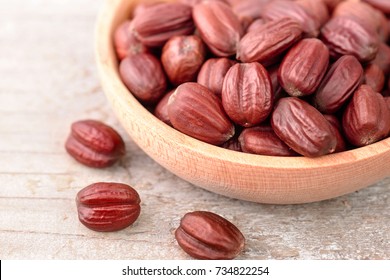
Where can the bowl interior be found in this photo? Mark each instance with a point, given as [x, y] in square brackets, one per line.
[263, 179]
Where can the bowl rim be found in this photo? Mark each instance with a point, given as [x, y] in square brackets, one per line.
[358, 153]
[108, 68]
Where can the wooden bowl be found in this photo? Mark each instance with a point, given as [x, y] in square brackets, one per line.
[263, 179]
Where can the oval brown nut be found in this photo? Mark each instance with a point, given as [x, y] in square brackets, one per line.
[141, 7]
[366, 118]
[125, 41]
[382, 58]
[94, 144]
[194, 2]
[303, 128]
[344, 35]
[213, 72]
[262, 140]
[266, 43]
[387, 100]
[248, 10]
[182, 57]
[158, 23]
[255, 25]
[144, 76]
[276, 88]
[161, 109]
[388, 83]
[336, 125]
[383, 5]
[196, 111]
[218, 26]
[278, 9]
[247, 95]
[374, 77]
[303, 67]
[338, 85]
[384, 30]
[108, 206]
[232, 144]
[366, 15]
[317, 8]
[205, 235]
[331, 4]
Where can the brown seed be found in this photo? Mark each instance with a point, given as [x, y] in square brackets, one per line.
[196, 111]
[205, 235]
[125, 41]
[218, 26]
[317, 8]
[331, 4]
[108, 206]
[303, 128]
[344, 35]
[232, 144]
[262, 140]
[387, 100]
[366, 119]
[144, 77]
[141, 7]
[158, 23]
[338, 85]
[255, 25]
[213, 72]
[374, 77]
[182, 57]
[161, 110]
[366, 15]
[94, 144]
[384, 29]
[266, 43]
[336, 125]
[388, 82]
[247, 95]
[248, 10]
[194, 2]
[382, 58]
[303, 67]
[278, 9]
[383, 5]
[276, 88]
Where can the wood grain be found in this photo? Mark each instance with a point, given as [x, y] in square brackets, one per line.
[48, 80]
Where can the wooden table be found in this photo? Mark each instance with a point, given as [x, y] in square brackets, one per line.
[48, 79]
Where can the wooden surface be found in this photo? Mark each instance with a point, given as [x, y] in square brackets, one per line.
[48, 79]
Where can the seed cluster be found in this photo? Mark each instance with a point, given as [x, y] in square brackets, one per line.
[257, 57]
